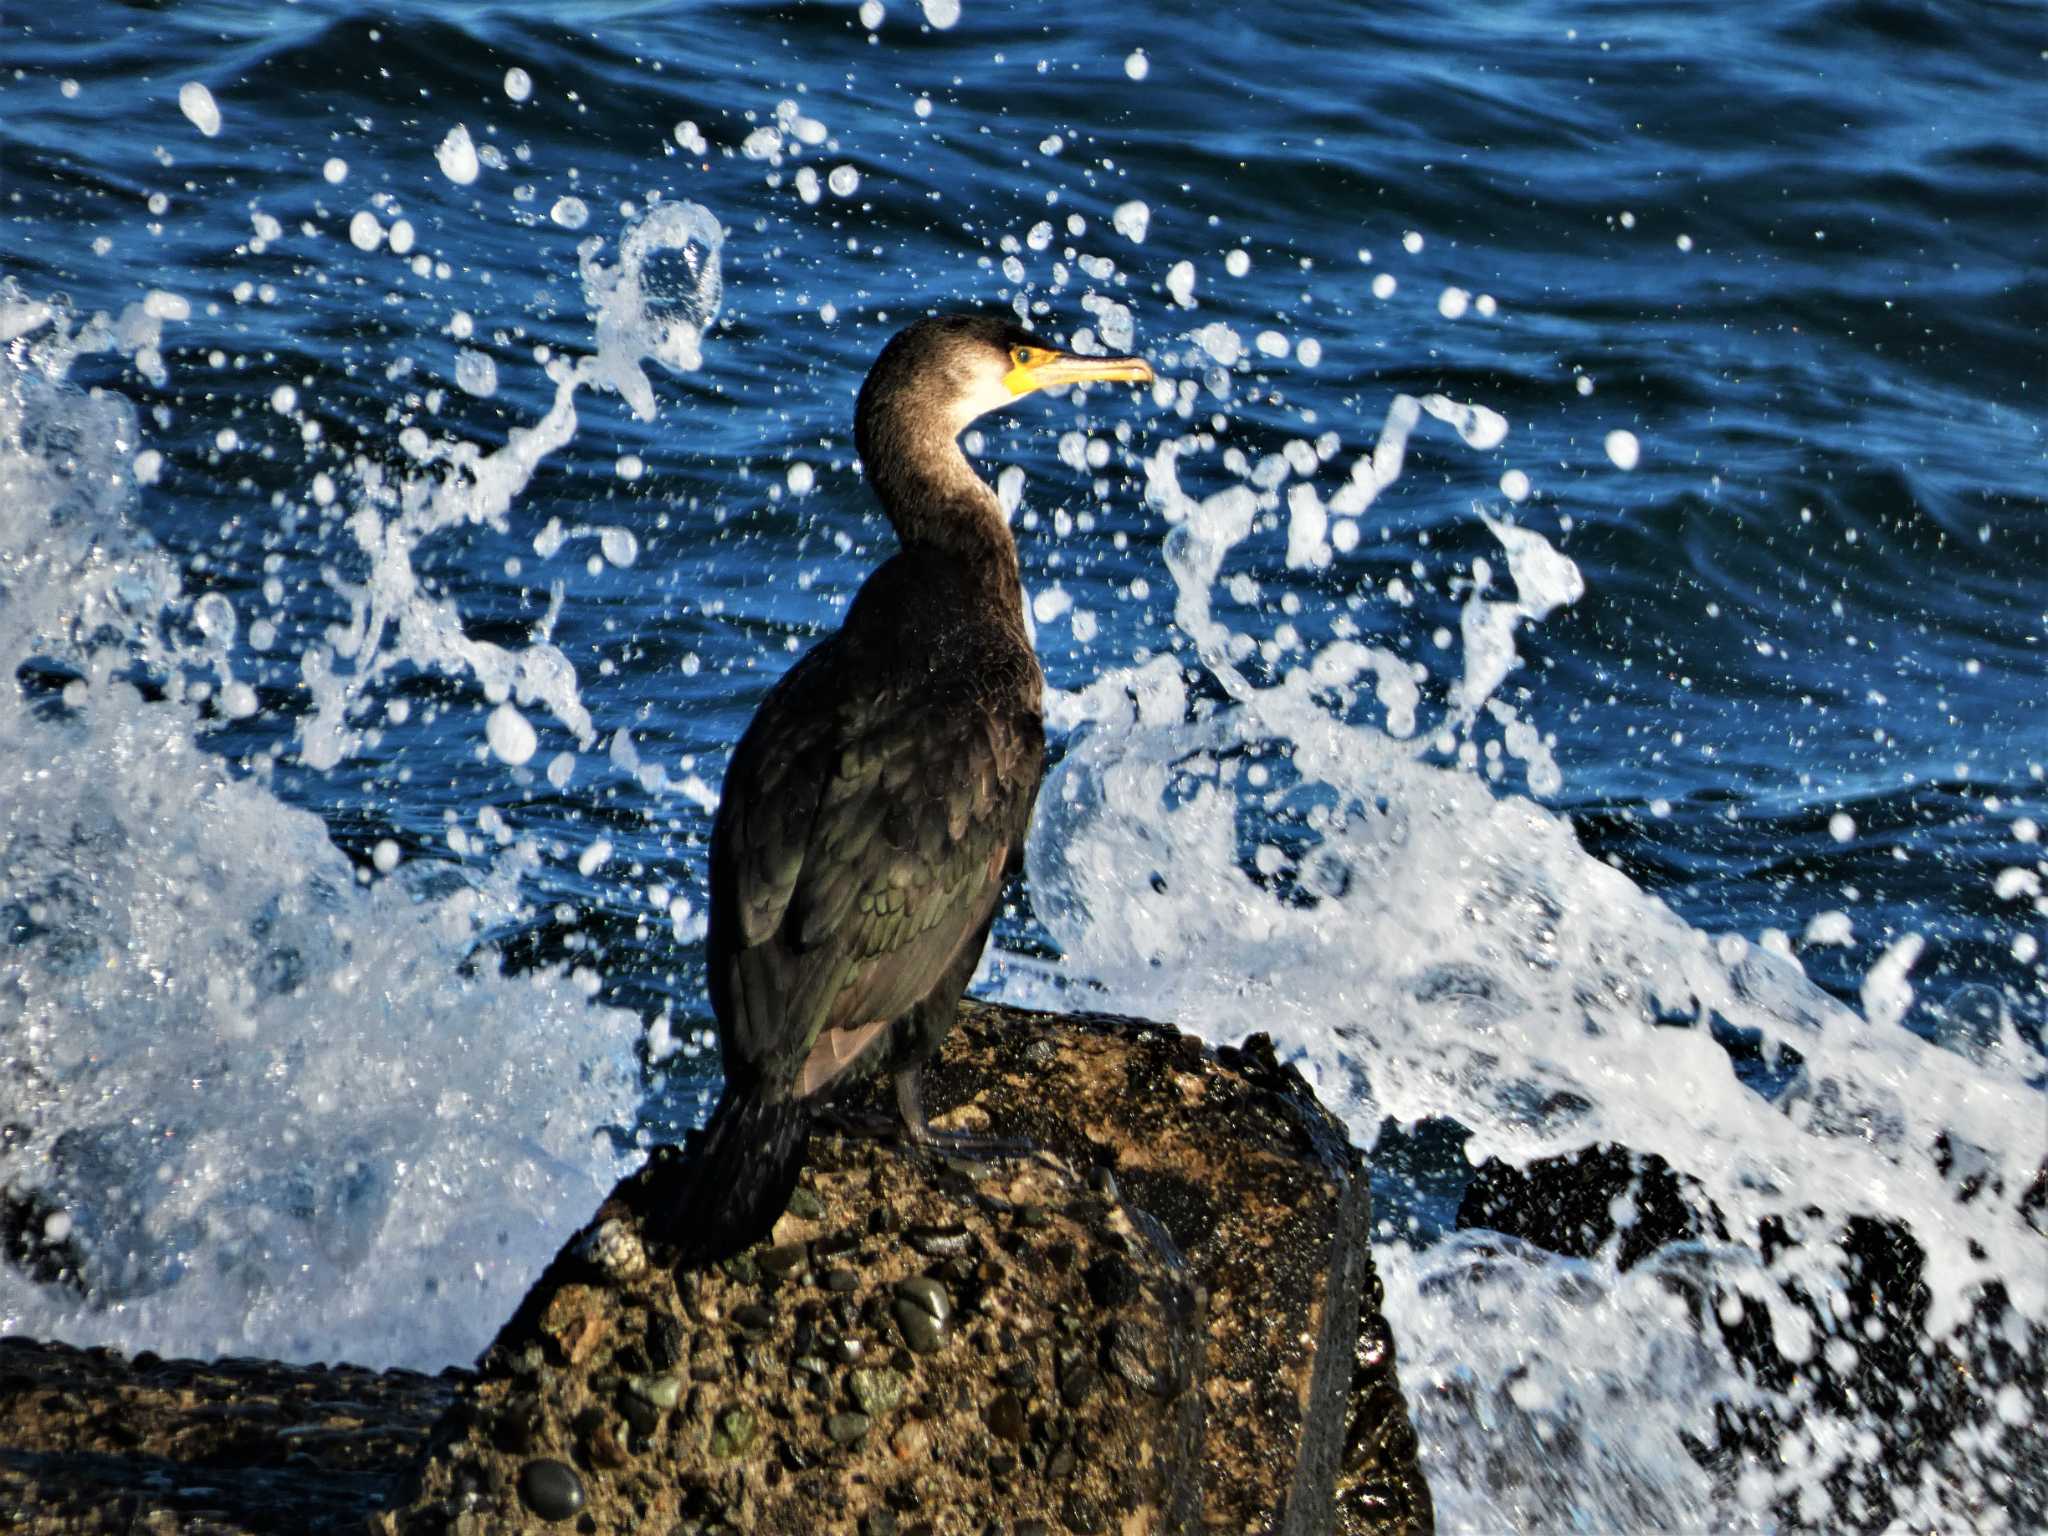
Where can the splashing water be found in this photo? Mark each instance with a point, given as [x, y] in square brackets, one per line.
[392, 619]
[254, 1103]
[1425, 947]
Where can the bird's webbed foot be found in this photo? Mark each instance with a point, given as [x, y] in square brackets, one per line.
[975, 1146]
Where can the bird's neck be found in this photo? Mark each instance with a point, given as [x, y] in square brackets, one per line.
[933, 496]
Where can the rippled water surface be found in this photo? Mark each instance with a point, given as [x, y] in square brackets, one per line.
[1562, 648]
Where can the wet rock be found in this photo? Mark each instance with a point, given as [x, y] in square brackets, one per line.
[918, 1350]
[1569, 1203]
[551, 1489]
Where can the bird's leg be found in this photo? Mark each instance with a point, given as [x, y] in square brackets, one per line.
[919, 1133]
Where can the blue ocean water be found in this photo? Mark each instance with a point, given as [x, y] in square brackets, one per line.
[1734, 769]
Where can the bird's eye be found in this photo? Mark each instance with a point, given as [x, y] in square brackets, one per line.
[1021, 356]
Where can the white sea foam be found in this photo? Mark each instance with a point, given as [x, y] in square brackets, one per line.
[270, 1109]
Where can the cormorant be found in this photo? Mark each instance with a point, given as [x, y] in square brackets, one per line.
[878, 802]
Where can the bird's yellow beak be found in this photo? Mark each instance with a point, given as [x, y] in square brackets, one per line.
[1044, 368]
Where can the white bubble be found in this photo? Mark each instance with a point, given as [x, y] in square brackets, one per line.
[401, 237]
[620, 545]
[68, 89]
[1685, 242]
[476, 373]
[629, 467]
[1628, 220]
[1383, 285]
[385, 855]
[690, 139]
[457, 156]
[1137, 66]
[518, 83]
[1272, 343]
[1132, 219]
[196, 102]
[148, 465]
[227, 440]
[1583, 383]
[1308, 352]
[1411, 242]
[570, 212]
[511, 735]
[336, 172]
[364, 232]
[1486, 305]
[1180, 282]
[801, 478]
[283, 398]
[1623, 448]
[1453, 302]
[1841, 826]
[844, 180]
[871, 14]
[1237, 263]
[1515, 485]
[941, 13]
[238, 701]
[593, 858]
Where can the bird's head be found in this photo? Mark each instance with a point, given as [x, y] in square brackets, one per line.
[949, 369]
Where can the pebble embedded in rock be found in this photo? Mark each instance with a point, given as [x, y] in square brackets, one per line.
[923, 1311]
[841, 1282]
[733, 1432]
[941, 1242]
[877, 1391]
[665, 1342]
[921, 1331]
[927, 1295]
[1081, 1515]
[640, 1415]
[1006, 1418]
[846, 1428]
[1111, 1280]
[615, 1248]
[551, 1489]
[1078, 1382]
[753, 1317]
[784, 1260]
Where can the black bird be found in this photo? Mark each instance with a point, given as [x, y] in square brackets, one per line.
[878, 801]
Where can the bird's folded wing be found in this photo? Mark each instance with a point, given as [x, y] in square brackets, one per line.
[862, 843]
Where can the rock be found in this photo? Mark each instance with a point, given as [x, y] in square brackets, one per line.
[1567, 1204]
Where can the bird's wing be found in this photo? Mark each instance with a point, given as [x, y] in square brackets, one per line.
[861, 842]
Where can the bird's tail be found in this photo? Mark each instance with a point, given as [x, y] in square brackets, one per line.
[742, 1169]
